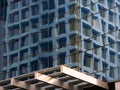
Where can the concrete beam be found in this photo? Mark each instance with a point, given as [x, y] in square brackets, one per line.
[117, 85]
[83, 77]
[22, 84]
[48, 87]
[2, 88]
[49, 80]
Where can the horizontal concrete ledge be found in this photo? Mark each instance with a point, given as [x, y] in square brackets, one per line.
[84, 77]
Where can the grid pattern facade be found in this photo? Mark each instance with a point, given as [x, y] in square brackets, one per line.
[45, 33]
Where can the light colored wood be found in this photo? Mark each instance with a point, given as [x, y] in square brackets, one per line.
[84, 77]
[50, 80]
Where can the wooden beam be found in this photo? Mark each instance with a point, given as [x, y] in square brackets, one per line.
[49, 80]
[83, 77]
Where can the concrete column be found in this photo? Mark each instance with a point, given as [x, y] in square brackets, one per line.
[117, 85]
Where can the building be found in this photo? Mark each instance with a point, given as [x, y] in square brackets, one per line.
[45, 33]
[2, 20]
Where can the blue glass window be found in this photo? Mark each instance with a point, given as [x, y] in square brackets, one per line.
[87, 60]
[13, 72]
[62, 42]
[45, 5]
[44, 19]
[48, 4]
[61, 12]
[23, 68]
[47, 61]
[51, 4]
[51, 17]
[35, 10]
[60, 2]
[34, 0]
[34, 65]
[61, 28]
[61, 58]
[34, 51]
[46, 33]
[46, 46]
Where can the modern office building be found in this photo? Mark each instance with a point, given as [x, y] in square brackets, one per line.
[40, 34]
[2, 20]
